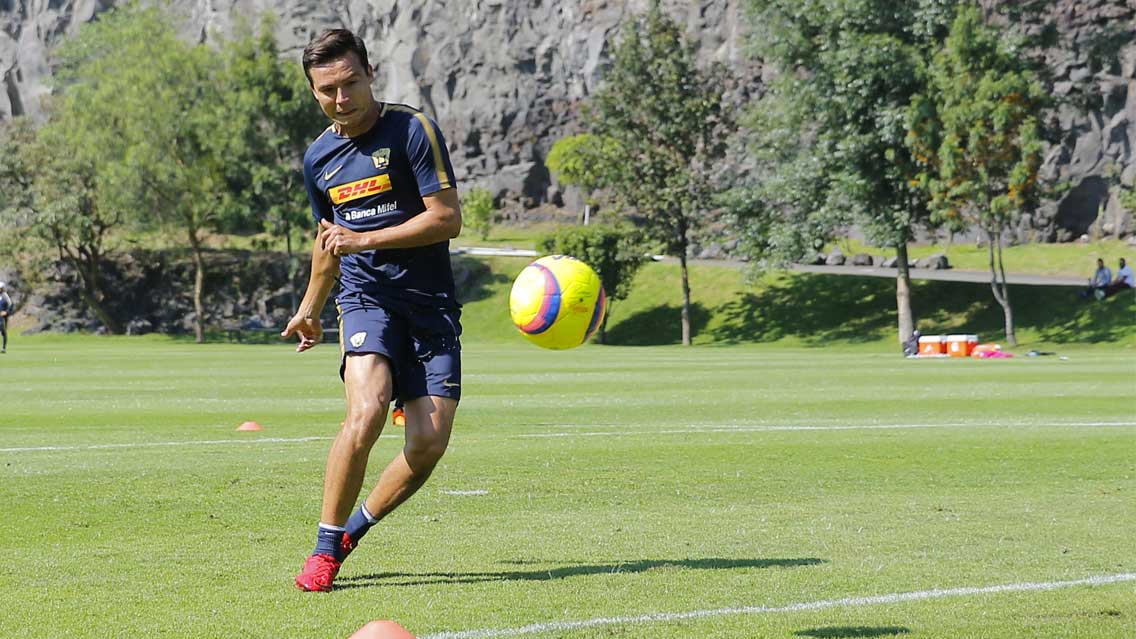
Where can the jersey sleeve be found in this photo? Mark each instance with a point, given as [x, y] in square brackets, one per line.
[429, 159]
[321, 207]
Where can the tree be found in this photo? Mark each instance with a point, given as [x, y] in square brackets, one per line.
[829, 135]
[478, 211]
[198, 138]
[664, 116]
[609, 249]
[576, 160]
[271, 120]
[135, 77]
[977, 135]
[56, 192]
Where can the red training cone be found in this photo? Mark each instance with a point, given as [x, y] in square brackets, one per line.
[249, 426]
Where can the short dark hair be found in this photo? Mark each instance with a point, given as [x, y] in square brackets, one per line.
[331, 45]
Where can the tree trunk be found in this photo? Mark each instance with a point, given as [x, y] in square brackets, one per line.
[685, 300]
[603, 323]
[903, 294]
[91, 297]
[87, 261]
[998, 283]
[198, 286]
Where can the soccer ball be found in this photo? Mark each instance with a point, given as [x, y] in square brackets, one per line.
[557, 302]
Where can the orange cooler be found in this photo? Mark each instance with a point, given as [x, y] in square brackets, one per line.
[961, 345]
[932, 345]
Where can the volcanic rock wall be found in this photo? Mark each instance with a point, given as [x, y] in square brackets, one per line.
[505, 78]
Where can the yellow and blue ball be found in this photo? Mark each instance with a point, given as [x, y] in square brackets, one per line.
[557, 302]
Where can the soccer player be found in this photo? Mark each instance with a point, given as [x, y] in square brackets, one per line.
[5, 309]
[383, 193]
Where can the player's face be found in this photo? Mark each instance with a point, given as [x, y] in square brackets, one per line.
[343, 90]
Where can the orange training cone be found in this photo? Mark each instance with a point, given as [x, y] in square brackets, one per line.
[249, 426]
[381, 630]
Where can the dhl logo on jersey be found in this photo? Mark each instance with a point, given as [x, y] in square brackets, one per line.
[360, 188]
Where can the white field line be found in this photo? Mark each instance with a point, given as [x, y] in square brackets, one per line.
[562, 626]
[612, 433]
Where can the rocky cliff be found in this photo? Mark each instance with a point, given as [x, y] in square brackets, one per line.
[504, 78]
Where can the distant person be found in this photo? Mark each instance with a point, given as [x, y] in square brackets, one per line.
[1098, 285]
[1124, 280]
[383, 193]
[911, 346]
[5, 309]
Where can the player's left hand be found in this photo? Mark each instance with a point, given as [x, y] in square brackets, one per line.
[340, 241]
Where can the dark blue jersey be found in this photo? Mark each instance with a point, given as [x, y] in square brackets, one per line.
[377, 180]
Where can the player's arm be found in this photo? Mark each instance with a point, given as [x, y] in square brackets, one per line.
[439, 222]
[305, 324]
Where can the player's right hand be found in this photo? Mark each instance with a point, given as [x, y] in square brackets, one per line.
[307, 329]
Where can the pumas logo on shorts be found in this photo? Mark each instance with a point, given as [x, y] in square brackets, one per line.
[358, 338]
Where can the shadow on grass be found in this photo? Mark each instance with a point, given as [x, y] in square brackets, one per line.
[656, 326]
[1056, 313]
[821, 309]
[814, 308]
[835, 632]
[562, 572]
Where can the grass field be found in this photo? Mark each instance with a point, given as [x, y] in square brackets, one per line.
[768, 491]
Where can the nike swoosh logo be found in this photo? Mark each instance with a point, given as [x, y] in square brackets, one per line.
[330, 174]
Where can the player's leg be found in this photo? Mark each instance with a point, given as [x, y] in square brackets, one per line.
[431, 375]
[376, 340]
[4, 331]
[429, 422]
[368, 382]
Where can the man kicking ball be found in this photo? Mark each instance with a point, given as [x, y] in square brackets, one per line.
[383, 193]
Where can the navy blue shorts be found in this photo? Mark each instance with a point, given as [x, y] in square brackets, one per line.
[421, 343]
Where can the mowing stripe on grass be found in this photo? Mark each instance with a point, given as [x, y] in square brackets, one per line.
[203, 442]
[560, 626]
[762, 429]
[612, 433]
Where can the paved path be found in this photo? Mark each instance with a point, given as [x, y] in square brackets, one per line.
[949, 275]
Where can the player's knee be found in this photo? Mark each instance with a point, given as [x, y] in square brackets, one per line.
[365, 421]
[425, 451]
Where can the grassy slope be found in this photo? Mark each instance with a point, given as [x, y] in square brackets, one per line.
[816, 310]
[618, 481]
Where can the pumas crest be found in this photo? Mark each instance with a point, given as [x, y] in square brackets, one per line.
[358, 338]
[381, 158]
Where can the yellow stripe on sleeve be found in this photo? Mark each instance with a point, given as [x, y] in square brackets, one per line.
[443, 177]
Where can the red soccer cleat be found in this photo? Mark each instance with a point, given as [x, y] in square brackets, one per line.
[398, 417]
[318, 573]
